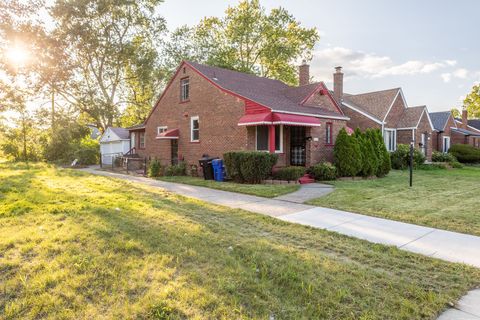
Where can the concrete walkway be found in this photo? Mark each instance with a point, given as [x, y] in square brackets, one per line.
[441, 244]
[307, 192]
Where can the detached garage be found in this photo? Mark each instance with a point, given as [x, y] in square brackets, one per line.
[113, 143]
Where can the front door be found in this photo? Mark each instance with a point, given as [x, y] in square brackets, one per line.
[298, 148]
[446, 144]
[424, 144]
[174, 148]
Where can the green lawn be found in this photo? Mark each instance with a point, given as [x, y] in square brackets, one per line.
[445, 199]
[77, 246]
[261, 190]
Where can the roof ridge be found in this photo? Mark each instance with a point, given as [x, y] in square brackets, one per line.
[377, 91]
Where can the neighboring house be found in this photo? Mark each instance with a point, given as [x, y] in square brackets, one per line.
[210, 110]
[465, 131]
[388, 111]
[114, 142]
[444, 123]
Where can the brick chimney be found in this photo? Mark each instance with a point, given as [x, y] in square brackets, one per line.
[303, 74]
[464, 118]
[338, 84]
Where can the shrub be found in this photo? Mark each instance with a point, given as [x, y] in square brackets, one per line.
[154, 168]
[443, 157]
[292, 173]
[401, 157]
[87, 151]
[323, 171]
[249, 166]
[383, 156]
[369, 156]
[465, 153]
[347, 154]
[176, 170]
[456, 165]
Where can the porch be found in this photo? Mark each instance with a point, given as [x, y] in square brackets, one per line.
[295, 138]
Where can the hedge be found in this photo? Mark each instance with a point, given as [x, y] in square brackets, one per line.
[401, 157]
[443, 157]
[465, 153]
[347, 154]
[249, 166]
[176, 170]
[369, 156]
[292, 173]
[383, 156]
[323, 171]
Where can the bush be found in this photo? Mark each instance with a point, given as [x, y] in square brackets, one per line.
[87, 151]
[176, 170]
[443, 157]
[292, 173]
[369, 156]
[465, 153]
[249, 166]
[154, 168]
[456, 165]
[323, 171]
[383, 156]
[433, 166]
[347, 154]
[401, 157]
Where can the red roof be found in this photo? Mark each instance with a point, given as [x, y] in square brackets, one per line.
[169, 134]
[276, 118]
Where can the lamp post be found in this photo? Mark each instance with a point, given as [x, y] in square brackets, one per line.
[411, 163]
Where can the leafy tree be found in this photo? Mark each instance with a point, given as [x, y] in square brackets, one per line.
[472, 102]
[102, 40]
[144, 78]
[347, 154]
[455, 113]
[248, 39]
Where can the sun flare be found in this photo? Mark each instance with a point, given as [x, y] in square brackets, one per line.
[17, 55]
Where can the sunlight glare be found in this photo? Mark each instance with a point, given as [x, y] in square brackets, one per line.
[17, 55]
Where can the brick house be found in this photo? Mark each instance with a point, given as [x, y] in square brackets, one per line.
[210, 110]
[465, 131]
[444, 124]
[388, 111]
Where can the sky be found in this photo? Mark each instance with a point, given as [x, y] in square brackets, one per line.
[428, 48]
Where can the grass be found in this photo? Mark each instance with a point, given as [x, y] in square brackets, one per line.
[76, 246]
[261, 190]
[445, 199]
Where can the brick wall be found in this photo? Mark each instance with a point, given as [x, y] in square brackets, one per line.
[218, 114]
[404, 136]
[424, 127]
[395, 113]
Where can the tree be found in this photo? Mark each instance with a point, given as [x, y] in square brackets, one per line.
[369, 156]
[456, 113]
[472, 102]
[383, 155]
[101, 37]
[347, 154]
[249, 40]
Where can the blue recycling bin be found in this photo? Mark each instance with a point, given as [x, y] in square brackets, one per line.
[218, 170]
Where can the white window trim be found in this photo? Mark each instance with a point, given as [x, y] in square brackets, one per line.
[443, 143]
[394, 138]
[161, 128]
[268, 139]
[191, 128]
[185, 82]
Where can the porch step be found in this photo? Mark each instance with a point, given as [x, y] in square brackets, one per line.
[306, 179]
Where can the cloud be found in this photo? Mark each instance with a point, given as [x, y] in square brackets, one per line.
[460, 73]
[370, 65]
[446, 77]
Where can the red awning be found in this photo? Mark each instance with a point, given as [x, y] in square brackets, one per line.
[295, 120]
[278, 118]
[169, 134]
[255, 119]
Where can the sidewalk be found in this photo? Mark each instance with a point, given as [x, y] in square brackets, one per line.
[441, 244]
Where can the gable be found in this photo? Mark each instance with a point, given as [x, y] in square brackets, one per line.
[109, 135]
[395, 113]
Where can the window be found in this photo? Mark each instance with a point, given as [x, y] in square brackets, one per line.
[390, 138]
[446, 144]
[194, 129]
[161, 129]
[328, 133]
[184, 89]
[262, 133]
[141, 138]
